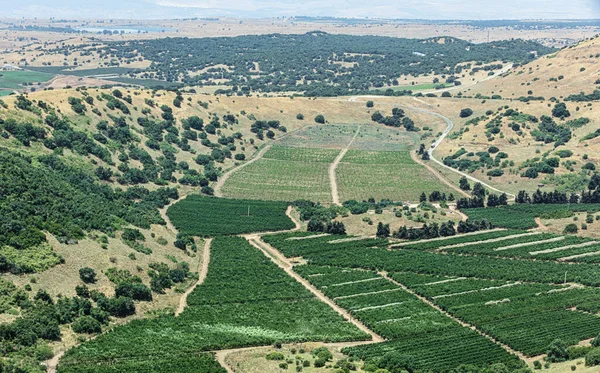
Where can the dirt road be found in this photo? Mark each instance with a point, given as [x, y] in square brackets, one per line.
[202, 272]
[333, 166]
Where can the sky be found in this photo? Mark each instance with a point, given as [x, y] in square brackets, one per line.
[415, 9]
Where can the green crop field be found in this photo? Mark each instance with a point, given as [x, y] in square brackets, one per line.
[246, 300]
[15, 79]
[333, 136]
[399, 317]
[520, 303]
[208, 216]
[285, 174]
[392, 175]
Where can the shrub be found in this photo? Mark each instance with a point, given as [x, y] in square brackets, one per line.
[87, 275]
[320, 119]
[370, 103]
[466, 112]
[274, 356]
[592, 358]
[86, 324]
[571, 229]
[557, 351]
[300, 117]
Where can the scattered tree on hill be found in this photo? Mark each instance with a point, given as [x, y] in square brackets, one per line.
[320, 119]
[87, 275]
[466, 112]
[370, 104]
[560, 111]
[464, 183]
[383, 230]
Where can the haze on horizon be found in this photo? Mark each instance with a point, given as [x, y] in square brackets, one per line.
[388, 9]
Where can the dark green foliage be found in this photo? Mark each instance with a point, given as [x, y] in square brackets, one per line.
[244, 291]
[87, 275]
[133, 290]
[465, 113]
[309, 59]
[86, 324]
[320, 119]
[54, 197]
[560, 111]
[207, 216]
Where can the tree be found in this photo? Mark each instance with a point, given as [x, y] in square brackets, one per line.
[300, 117]
[478, 190]
[571, 229]
[592, 358]
[466, 112]
[423, 197]
[383, 230]
[86, 324]
[395, 362]
[315, 225]
[425, 156]
[87, 275]
[320, 119]
[370, 104]
[464, 183]
[121, 306]
[560, 111]
[557, 351]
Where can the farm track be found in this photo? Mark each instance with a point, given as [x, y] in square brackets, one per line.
[202, 272]
[499, 239]
[408, 243]
[221, 182]
[416, 159]
[335, 197]
[434, 146]
[219, 185]
[283, 263]
[462, 323]
[287, 266]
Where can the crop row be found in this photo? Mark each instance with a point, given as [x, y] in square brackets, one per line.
[411, 326]
[522, 216]
[207, 216]
[455, 265]
[246, 300]
[460, 239]
[530, 243]
[441, 351]
[308, 246]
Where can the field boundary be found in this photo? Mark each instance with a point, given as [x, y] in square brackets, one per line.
[202, 273]
[333, 166]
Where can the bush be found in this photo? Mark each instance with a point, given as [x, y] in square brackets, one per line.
[571, 229]
[592, 358]
[86, 324]
[370, 104]
[465, 113]
[87, 275]
[557, 351]
[320, 119]
[300, 117]
[274, 356]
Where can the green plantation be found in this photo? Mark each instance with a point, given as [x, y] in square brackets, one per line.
[246, 300]
[208, 216]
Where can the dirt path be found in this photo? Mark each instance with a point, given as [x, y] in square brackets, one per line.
[202, 272]
[219, 185]
[450, 126]
[285, 264]
[434, 172]
[163, 214]
[541, 225]
[53, 363]
[462, 323]
[332, 167]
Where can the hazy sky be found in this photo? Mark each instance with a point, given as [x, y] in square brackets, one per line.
[423, 9]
